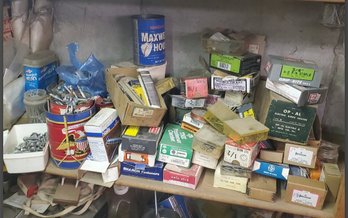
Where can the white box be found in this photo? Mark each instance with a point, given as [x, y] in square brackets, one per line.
[242, 155]
[24, 162]
[204, 160]
[101, 123]
[229, 182]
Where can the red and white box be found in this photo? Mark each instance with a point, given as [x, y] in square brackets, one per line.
[186, 177]
[241, 154]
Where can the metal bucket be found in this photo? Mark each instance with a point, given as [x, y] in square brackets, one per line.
[67, 139]
[149, 40]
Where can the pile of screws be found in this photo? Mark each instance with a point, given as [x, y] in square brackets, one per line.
[66, 95]
[35, 142]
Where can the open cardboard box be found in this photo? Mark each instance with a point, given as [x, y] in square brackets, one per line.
[130, 112]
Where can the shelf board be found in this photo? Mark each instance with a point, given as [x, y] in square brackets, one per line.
[206, 191]
[326, 1]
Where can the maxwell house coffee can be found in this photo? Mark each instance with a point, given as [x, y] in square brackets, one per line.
[149, 40]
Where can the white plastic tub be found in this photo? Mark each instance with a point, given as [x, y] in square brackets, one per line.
[24, 162]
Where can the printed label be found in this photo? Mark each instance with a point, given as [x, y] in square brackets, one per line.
[223, 66]
[304, 197]
[240, 155]
[226, 84]
[194, 103]
[298, 73]
[142, 112]
[300, 155]
[314, 98]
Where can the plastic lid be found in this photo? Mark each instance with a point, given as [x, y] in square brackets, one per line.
[120, 190]
[41, 58]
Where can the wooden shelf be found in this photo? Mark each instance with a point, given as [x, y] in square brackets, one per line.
[326, 1]
[206, 191]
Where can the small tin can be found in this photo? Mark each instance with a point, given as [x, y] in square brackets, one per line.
[149, 40]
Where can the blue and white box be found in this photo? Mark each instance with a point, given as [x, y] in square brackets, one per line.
[142, 170]
[278, 171]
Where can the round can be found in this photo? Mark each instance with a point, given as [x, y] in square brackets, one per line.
[149, 39]
[67, 139]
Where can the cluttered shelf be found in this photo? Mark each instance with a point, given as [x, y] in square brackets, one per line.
[205, 190]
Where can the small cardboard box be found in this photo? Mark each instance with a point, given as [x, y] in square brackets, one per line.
[245, 130]
[241, 154]
[236, 99]
[272, 156]
[204, 160]
[305, 192]
[142, 171]
[292, 71]
[236, 65]
[278, 171]
[141, 139]
[209, 141]
[304, 156]
[102, 150]
[196, 87]
[286, 121]
[101, 123]
[229, 182]
[129, 112]
[331, 175]
[262, 188]
[176, 175]
[140, 158]
[300, 95]
[218, 113]
[224, 82]
[176, 146]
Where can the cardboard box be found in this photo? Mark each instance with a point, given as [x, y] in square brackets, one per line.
[245, 130]
[236, 65]
[236, 99]
[129, 112]
[299, 171]
[102, 150]
[315, 135]
[224, 82]
[229, 182]
[204, 160]
[218, 113]
[305, 192]
[304, 156]
[142, 171]
[176, 146]
[241, 154]
[331, 175]
[291, 71]
[300, 95]
[228, 169]
[208, 141]
[190, 124]
[262, 188]
[176, 175]
[101, 123]
[139, 158]
[196, 87]
[141, 139]
[278, 171]
[185, 103]
[165, 85]
[272, 156]
[286, 121]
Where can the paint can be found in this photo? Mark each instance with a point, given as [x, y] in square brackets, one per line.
[67, 138]
[149, 40]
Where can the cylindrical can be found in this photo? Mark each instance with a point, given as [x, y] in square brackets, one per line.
[67, 139]
[61, 109]
[149, 40]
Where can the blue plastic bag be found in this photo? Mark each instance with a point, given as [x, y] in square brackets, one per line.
[89, 74]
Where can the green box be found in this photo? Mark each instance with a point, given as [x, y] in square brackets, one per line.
[236, 65]
[176, 146]
[289, 123]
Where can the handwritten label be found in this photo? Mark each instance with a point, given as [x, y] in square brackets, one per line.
[305, 198]
[298, 73]
[300, 155]
[240, 155]
[196, 88]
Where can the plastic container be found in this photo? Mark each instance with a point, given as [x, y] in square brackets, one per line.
[35, 104]
[40, 69]
[24, 162]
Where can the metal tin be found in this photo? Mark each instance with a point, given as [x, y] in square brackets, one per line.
[149, 39]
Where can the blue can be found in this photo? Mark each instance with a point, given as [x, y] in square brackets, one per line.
[149, 40]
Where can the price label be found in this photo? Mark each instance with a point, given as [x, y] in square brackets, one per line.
[224, 66]
[298, 73]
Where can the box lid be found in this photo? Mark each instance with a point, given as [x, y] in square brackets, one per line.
[220, 110]
[209, 135]
[247, 126]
